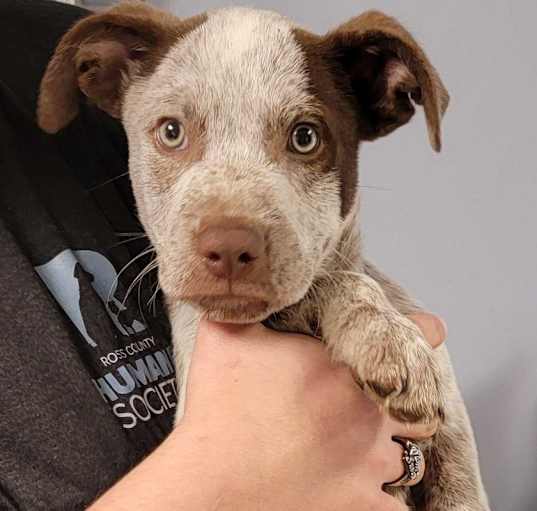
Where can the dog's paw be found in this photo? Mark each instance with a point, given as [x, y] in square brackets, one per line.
[396, 367]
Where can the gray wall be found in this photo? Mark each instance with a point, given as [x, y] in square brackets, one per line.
[459, 229]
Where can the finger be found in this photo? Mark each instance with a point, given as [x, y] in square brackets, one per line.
[433, 327]
[412, 431]
[393, 467]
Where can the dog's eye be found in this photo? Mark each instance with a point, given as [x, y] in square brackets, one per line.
[171, 134]
[304, 139]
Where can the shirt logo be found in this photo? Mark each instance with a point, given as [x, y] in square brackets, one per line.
[62, 275]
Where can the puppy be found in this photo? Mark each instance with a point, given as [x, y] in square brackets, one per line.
[243, 132]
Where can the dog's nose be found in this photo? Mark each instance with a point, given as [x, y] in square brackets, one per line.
[231, 252]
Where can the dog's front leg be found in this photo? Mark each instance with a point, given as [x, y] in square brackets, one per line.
[389, 358]
[452, 480]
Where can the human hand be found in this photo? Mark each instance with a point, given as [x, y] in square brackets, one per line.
[283, 428]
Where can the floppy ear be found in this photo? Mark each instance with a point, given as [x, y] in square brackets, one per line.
[100, 56]
[387, 72]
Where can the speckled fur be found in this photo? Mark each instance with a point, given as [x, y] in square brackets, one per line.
[238, 79]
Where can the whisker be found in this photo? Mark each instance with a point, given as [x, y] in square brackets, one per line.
[153, 299]
[135, 238]
[152, 265]
[132, 261]
[123, 234]
[108, 181]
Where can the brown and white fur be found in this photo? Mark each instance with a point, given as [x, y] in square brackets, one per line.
[239, 80]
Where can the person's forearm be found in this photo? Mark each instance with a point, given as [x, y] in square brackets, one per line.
[234, 451]
[179, 475]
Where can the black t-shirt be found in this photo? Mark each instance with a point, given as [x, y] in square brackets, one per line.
[87, 385]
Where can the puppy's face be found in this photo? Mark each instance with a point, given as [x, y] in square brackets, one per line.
[237, 166]
[243, 136]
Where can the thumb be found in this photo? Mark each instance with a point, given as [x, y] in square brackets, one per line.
[433, 327]
[219, 350]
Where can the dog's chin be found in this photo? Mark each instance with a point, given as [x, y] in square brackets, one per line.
[232, 308]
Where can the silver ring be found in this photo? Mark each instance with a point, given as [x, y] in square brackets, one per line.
[413, 461]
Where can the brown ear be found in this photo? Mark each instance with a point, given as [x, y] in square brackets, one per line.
[387, 71]
[100, 56]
